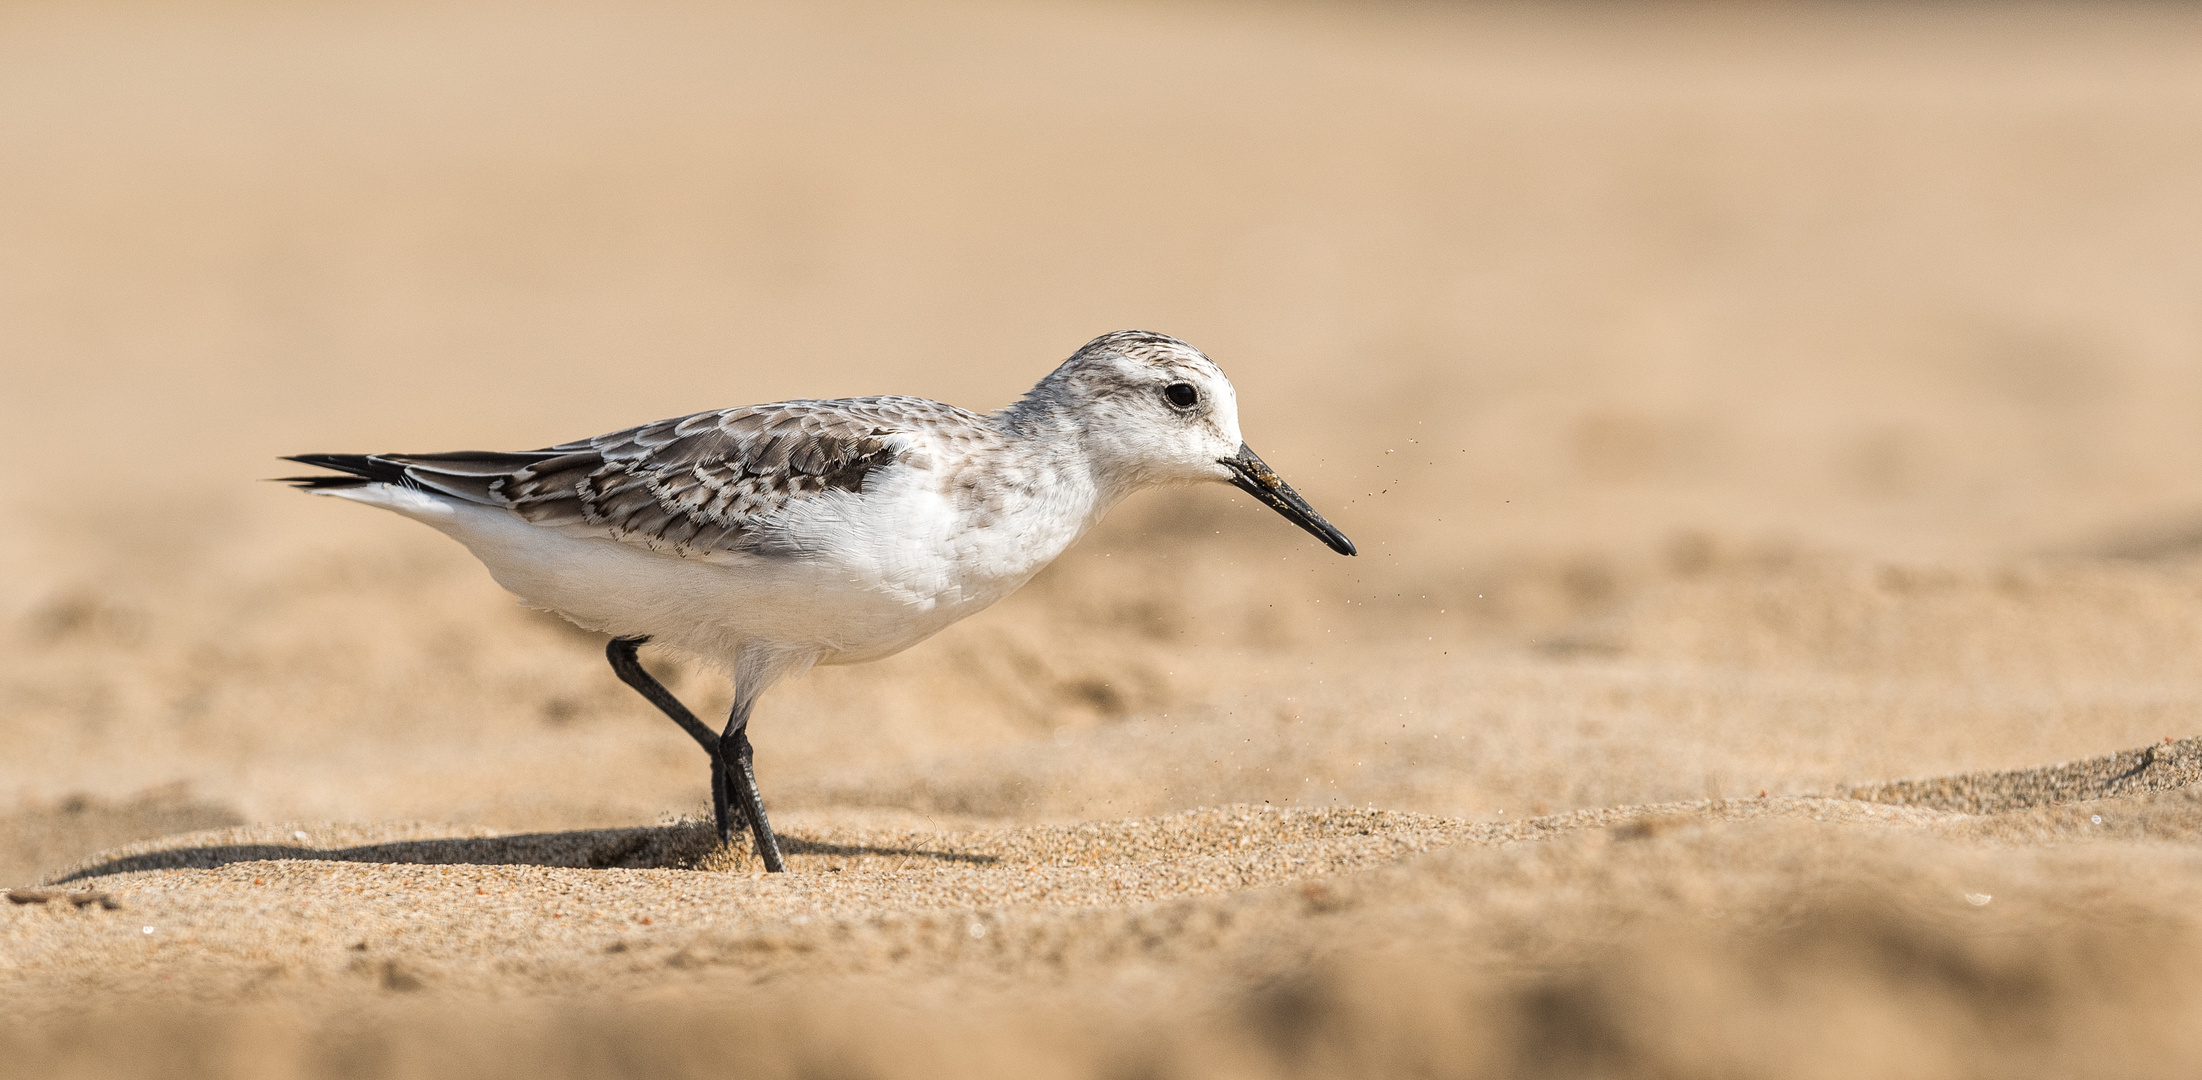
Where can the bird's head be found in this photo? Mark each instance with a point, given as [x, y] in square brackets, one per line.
[1150, 409]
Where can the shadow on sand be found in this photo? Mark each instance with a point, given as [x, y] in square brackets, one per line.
[685, 846]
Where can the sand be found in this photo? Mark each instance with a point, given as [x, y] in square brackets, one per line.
[1768, 431]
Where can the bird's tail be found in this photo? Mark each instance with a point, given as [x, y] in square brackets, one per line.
[356, 470]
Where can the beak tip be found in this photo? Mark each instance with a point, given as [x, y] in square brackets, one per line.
[1251, 475]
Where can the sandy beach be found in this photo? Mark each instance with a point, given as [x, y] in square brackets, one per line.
[1768, 430]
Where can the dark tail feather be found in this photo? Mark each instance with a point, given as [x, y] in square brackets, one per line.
[363, 469]
[316, 483]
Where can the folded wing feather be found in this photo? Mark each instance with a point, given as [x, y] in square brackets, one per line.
[713, 481]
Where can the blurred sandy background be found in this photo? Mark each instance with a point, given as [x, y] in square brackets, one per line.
[1727, 399]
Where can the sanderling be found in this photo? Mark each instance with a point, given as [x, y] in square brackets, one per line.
[770, 538]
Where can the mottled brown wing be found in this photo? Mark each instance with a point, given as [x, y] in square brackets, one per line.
[714, 481]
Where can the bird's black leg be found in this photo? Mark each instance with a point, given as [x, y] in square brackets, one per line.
[741, 779]
[721, 804]
[621, 652]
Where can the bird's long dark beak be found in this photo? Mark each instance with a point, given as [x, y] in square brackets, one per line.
[1250, 475]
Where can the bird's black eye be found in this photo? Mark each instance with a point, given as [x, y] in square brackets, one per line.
[1181, 395]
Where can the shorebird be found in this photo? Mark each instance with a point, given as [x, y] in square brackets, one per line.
[771, 538]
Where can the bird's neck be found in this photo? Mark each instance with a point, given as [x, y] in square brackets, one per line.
[1044, 431]
[1043, 414]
